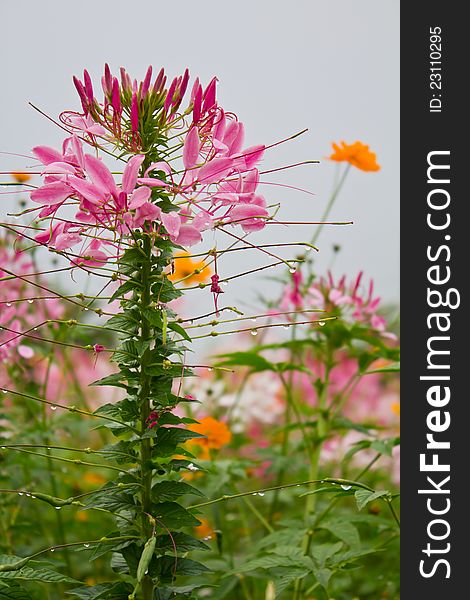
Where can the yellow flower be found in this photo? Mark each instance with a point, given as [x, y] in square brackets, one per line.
[21, 177]
[217, 435]
[357, 154]
[189, 270]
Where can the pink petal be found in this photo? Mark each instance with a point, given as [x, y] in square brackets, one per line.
[49, 234]
[89, 191]
[25, 351]
[158, 166]
[191, 148]
[147, 212]
[253, 155]
[249, 216]
[91, 258]
[250, 181]
[62, 168]
[152, 182]
[215, 170]
[139, 197]
[203, 221]
[46, 155]
[188, 236]
[209, 95]
[219, 127]
[78, 149]
[172, 223]
[131, 172]
[237, 142]
[67, 240]
[99, 173]
[51, 193]
[197, 103]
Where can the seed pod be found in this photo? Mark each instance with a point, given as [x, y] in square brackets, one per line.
[146, 557]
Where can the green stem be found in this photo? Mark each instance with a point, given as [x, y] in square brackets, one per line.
[144, 401]
[331, 201]
[322, 428]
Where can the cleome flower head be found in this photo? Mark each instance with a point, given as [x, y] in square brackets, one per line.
[183, 171]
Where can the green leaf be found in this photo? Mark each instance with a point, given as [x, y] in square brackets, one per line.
[115, 379]
[182, 541]
[113, 500]
[171, 490]
[323, 576]
[180, 330]
[174, 516]
[165, 567]
[121, 452]
[284, 576]
[110, 591]
[176, 593]
[43, 575]
[272, 561]
[385, 446]
[392, 368]
[127, 286]
[123, 322]
[282, 537]
[363, 497]
[322, 552]
[168, 438]
[109, 546]
[247, 359]
[344, 531]
[13, 592]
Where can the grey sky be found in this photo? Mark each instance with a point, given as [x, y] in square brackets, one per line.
[283, 66]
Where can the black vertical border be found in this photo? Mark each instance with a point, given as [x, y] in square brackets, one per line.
[422, 132]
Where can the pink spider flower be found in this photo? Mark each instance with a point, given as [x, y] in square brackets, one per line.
[20, 308]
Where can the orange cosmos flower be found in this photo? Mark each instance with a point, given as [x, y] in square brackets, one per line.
[204, 530]
[189, 270]
[357, 154]
[21, 177]
[217, 435]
